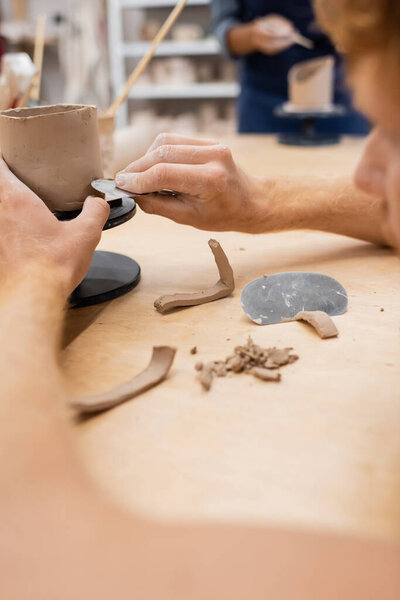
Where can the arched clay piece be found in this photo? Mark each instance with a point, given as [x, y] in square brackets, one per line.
[224, 287]
[157, 370]
[54, 150]
[321, 322]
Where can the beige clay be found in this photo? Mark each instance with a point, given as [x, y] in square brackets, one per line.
[54, 150]
[207, 375]
[320, 320]
[266, 374]
[224, 286]
[311, 85]
[249, 358]
[157, 370]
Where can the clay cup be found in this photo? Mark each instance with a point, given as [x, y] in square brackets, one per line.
[54, 150]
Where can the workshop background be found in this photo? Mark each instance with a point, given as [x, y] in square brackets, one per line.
[92, 46]
[321, 449]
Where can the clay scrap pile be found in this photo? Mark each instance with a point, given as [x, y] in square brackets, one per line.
[263, 363]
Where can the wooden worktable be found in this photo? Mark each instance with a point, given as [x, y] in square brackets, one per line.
[320, 449]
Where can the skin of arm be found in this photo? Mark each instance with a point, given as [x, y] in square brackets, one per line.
[214, 194]
[240, 39]
[41, 262]
[59, 537]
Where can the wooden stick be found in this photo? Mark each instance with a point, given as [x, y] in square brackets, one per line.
[144, 61]
[23, 101]
[33, 89]
[38, 55]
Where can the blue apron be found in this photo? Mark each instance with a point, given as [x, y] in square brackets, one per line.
[263, 78]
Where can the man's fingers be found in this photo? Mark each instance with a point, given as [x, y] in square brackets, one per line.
[93, 217]
[172, 138]
[184, 179]
[171, 208]
[182, 154]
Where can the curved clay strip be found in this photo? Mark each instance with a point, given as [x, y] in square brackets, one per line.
[223, 287]
[320, 320]
[157, 370]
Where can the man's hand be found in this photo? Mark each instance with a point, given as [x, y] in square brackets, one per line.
[272, 34]
[214, 194]
[30, 234]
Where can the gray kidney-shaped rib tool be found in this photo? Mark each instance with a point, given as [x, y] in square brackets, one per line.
[274, 298]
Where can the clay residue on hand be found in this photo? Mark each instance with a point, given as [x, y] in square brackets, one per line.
[224, 286]
[250, 358]
[320, 320]
[157, 370]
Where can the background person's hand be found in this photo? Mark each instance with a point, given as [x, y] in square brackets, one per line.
[214, 194]
[31, 235]
[272, 34]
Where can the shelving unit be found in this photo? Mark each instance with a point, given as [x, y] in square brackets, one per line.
[208, 46]
[192, 90]
[158, 3]
[122, 50]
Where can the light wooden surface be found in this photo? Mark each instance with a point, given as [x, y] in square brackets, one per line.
[321, 449]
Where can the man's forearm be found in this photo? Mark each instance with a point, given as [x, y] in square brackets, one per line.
[334, 206]
[34, 434]
[240, 39]
[63, 536]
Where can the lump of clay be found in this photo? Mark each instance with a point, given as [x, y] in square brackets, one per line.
[266, 374]
[224, 286]
[54, 150]
[321, 322]
[157, 370]
[311, 85]
[275, 298]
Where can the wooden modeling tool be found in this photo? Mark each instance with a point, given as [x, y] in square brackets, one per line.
[144, 61]
[33, 89]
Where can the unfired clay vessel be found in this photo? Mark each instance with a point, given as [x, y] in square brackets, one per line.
[311, 84]
[54, 150]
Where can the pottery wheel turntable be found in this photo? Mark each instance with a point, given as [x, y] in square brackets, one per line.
[308, 135]
[110, 275]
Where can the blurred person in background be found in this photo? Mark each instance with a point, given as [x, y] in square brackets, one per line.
[259, 33]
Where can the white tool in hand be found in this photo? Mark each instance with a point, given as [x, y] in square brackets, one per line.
[108, 187]
[303, 41]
